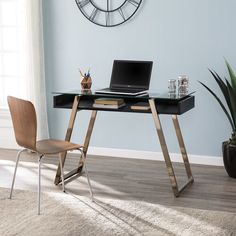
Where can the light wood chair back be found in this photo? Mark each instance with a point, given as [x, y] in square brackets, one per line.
[25, 127]
[24, 122]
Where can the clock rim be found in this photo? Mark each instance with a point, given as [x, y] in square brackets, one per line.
[100, 9]
[105, 11]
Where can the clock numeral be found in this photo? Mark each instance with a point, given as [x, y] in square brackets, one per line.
[134, 2]
[108, 7]
[122, 14]
[107, 15]
[83, 3]
[93, 14]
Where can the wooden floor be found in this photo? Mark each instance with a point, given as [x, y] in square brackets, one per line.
[129, 179]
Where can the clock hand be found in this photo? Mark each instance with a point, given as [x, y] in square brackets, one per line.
[108, 5]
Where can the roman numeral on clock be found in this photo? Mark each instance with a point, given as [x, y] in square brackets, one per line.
[83, 3]
[122, 13]
[133, 2]
[107, 16]
[93, 14]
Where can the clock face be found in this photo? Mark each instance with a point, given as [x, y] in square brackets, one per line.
[108, 13]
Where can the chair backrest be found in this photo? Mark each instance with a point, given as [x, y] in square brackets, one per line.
[24, 122]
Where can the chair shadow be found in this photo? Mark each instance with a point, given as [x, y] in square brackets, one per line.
[118, 213]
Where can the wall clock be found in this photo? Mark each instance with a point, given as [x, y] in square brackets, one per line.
[108, 13]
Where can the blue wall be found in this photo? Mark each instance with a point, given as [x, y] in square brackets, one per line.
[181, 37]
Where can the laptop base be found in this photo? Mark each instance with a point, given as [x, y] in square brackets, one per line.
[121, 92]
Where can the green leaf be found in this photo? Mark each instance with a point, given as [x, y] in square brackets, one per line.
[232, 75]
[232, 96]
[225, 92]
[221, 104]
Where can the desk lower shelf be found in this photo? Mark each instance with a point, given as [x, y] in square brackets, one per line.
[175, 107]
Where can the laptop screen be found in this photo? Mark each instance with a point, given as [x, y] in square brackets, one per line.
[131, 74]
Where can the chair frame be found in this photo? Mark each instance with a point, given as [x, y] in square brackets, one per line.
[40, 156]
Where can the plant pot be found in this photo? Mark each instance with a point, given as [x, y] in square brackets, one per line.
[229, 157]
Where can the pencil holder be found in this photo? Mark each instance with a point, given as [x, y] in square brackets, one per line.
[86, 83]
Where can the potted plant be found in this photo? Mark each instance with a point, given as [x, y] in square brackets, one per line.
[228, 89]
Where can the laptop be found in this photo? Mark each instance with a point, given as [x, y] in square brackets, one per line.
[129, 78]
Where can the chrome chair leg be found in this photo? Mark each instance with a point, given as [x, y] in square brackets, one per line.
[90, 187]
[87, 175]
[62, 172]
[39, 183]
[14, 176]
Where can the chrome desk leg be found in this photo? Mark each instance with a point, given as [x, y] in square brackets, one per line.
[88, 135]
[182, 147]
[68, 136]
[85, 149]
[14, 176]
[170, 169]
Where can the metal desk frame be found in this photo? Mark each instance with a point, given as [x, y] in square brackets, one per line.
[153, 105]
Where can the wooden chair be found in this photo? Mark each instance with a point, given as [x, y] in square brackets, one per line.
[25, 128]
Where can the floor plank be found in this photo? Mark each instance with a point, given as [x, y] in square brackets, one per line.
[130, 179]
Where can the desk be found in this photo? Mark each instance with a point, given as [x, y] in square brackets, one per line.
[159, 104]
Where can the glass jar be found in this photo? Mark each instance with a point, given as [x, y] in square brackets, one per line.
[183, 83]
[171, 86]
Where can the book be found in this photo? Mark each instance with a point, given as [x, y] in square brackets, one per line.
[109, 101]
[108, 106]
[140, 106]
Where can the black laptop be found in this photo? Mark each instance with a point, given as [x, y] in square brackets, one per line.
[129, 78]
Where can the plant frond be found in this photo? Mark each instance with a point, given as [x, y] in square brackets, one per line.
[221, 104]
[232, 75]
[225, 91]
[232, 96]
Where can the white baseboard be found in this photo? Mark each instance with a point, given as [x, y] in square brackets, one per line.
[146, 155]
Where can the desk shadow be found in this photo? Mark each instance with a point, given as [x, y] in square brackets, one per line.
[148, 181]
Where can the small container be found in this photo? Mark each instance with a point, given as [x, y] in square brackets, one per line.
[86, 82]
[171, 86]
[183, 84]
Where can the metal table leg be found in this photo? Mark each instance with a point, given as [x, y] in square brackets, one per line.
[68, 136]
[165, 151]
[85, 146]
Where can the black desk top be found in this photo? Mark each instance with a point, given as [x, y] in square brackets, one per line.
[150, 95]
[165, 103]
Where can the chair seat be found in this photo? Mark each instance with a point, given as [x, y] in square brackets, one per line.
[53, 146]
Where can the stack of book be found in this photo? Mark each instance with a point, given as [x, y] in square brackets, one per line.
[109, 103]
[141, 106]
